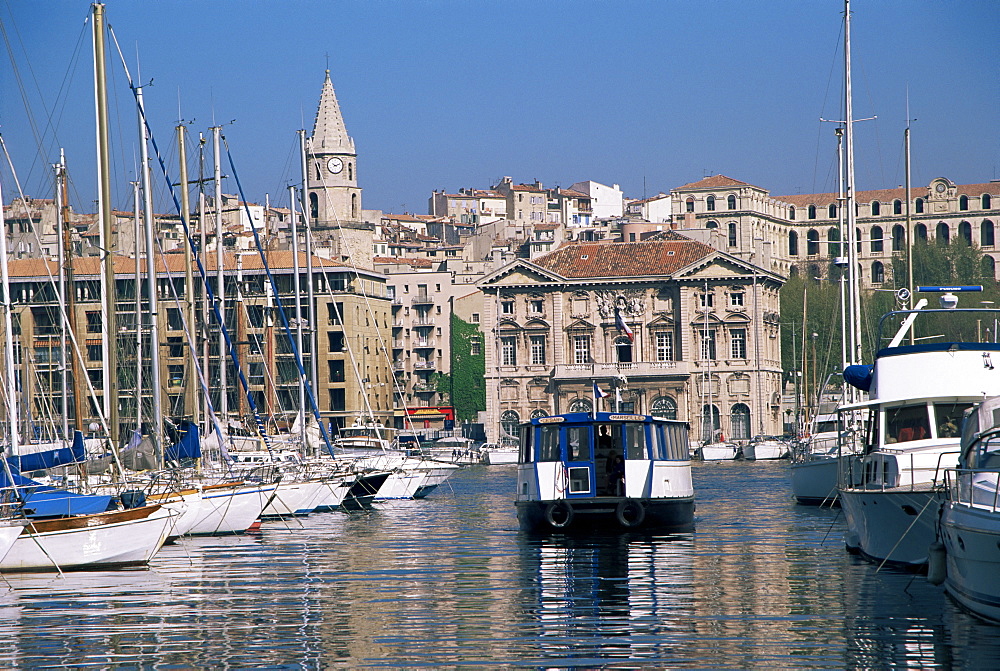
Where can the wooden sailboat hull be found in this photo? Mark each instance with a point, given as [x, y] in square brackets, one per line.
[105, 540]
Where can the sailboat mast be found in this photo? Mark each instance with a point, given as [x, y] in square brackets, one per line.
[8, 349]
[67, 247]
[846, 389]
[909, 220]
[298, 311]
[107, 236]
[849, 195]
[190, 386]
[63, 327]
[220, 294]
[137, 241]
[306, 224]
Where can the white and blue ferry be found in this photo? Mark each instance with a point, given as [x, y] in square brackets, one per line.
[589, 471]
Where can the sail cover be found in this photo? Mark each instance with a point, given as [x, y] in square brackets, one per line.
[37, 457]
[189, 445]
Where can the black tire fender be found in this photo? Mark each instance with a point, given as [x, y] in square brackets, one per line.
[559, 514]
[630, 513]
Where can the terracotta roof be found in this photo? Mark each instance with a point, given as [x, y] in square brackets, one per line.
[889, 195]
[573, 194]
[527, 187]
[403, 261]
[659, 196]
[713, 182]
[623, 259]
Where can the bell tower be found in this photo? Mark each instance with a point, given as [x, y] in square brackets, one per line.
[334, 198]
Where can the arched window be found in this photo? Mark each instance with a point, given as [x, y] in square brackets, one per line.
[942, 234]
[731, 202]
[791, 213]
[920, 206]
[986, 236]
[509, 422]
[832, 211]
[712, 224]
[581, 405]
[812, 241]
[793, 243]
[535, 414]
[963, 202]
[793, 271]
[833, 241]
[689, 205]
[987, 202]
[350, 171]
[812, 211]
[623, 349]
[664, 407]
[897, 206]
[989, 267]
[739, 419]
[711, 423]
[857, 239]
[710, 203]
[732, 233]
[876, 208]
[920, 232]
[965, 231]
[898, 238]
[314, 207]
[354, 206]
[878, 273]
[876, 241]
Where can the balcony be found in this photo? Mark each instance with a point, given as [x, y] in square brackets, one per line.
[422, 299]
[636, 369]
[423, 343]
[424, 388]
[397, 344]
[398, 324]
[398, 366]
[425, 364]
[422, 321]
[397, 301]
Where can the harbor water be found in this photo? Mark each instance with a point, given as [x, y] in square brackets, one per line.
[451, 581]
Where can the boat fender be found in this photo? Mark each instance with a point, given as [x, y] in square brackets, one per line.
[937, 566]
[630, 513]
[559, 514]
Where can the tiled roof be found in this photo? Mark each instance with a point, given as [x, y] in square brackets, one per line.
[573, 194]
[526, 187]
[403, 261]
[624, 259]
[888, 195]
[713, 182]
[659, 196]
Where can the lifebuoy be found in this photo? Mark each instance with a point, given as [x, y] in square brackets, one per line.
[630, 513]
[559, 514]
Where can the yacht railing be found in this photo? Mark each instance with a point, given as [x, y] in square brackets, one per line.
[873, 475]
[974, 487]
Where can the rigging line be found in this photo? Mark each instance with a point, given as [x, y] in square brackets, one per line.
[281, 312]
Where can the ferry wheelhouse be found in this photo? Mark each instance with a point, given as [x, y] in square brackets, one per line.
[585, 471]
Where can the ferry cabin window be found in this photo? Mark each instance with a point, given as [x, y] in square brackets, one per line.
[578, 443]
[673, 442]
[906, 423]
[526, 433]
[948, 418]
[635, 441]
[548, 444]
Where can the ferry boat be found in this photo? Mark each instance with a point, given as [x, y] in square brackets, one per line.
[618, 472]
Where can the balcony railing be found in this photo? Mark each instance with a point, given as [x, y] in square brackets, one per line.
[635, 368]
[425, 365]
[422, 299]
[423, 343]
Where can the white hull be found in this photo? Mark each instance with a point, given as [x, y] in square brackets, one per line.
[498, 456]
[187, 504]
[970, 530]
[718, 452]
[127, 543]
[9, 531]
[293, 497]
[334, 491]
[763, 451]
[892, 525]
[401, 484]
[815, 481]
[230, 510]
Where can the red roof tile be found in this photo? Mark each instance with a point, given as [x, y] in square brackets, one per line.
[713, 182]
[624, 259]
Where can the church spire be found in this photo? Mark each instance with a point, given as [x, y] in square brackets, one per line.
[329, 132]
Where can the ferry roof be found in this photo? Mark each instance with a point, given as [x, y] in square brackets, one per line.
[590, 418]
[912, 400]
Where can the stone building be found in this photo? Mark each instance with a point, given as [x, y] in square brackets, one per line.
[704, 348]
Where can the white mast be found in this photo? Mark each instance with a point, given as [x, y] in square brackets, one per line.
[8, 350]
[137, 233]
[60, 169]
[298, 313]
[220, 286]
[854, 289]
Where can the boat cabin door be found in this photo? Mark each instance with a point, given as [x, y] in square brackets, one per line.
[609, 469]
[579, 461]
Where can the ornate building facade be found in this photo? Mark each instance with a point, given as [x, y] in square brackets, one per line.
[669, 327]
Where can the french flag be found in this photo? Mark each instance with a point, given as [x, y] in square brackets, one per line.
[622, 326]
[598, 393]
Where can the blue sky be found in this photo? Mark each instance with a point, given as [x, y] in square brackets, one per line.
[442, 94]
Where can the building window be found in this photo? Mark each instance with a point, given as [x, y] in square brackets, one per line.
[690, 205]
[536, 305]
[876, 208]
[706, 300]
[664, 346]
[943, 233]
[920, 206]
[878, 272]
[897, 206]
[507, 307]
[707, 345]
[731, 202]
[475, 348]
[986, 235]
[732, 234]
[738, 343]
[965, 231]
[920, 232]
[989, 266]
[509, 422]
[664, 407]
[580, 405]
[963, 203]
[791, 213]
[581, 349]
[812, 242]
[833, 241]
[475, 317]
[812, 211]
[987, 202]
[537, 350]
[793, 243]
[736, 298]
[710, 424]
[508, 351]
[898, 238]
[623, 349]
[876, 241]
[710, 203]
[740, 422]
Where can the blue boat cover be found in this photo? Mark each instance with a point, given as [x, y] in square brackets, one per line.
[860, 376]
[188, 447]
[46, 501]
[62, 456]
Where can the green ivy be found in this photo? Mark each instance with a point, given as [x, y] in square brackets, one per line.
[468, 371]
